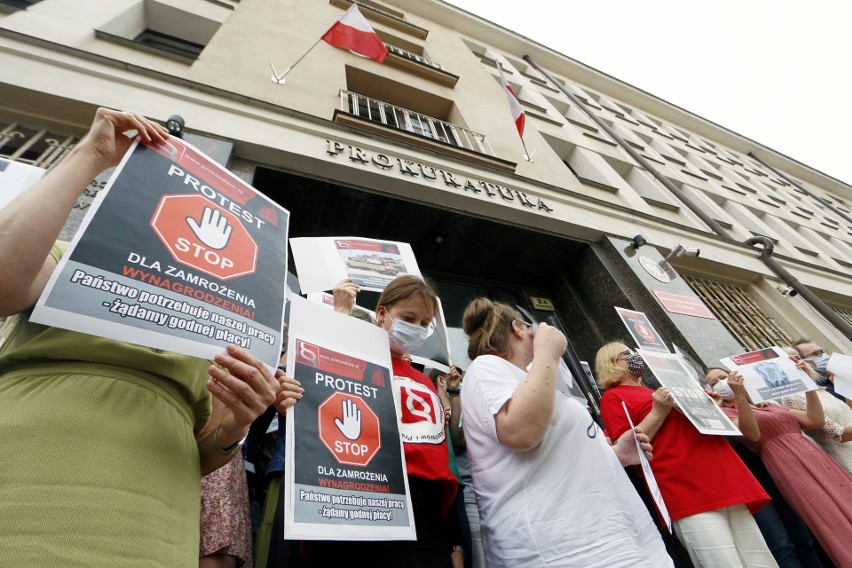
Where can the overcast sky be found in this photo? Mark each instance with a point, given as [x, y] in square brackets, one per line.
[777, 71]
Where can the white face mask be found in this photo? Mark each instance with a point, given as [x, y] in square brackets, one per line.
[407, 337]
[723, 389]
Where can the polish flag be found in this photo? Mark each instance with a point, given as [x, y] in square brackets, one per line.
[517, 112]
[352, 32]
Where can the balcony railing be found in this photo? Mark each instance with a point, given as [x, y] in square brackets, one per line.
[378, 11]
[412, 56]
[413, 122]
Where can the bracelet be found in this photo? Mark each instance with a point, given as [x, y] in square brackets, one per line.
[453, 392]
[230, 450]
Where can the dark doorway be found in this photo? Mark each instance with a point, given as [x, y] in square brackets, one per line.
[465, 255]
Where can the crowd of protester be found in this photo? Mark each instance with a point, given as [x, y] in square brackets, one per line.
[121, 455]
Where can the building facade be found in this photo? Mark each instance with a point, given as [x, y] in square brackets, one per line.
[422, 149]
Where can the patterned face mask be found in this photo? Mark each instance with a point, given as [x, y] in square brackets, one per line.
[635, 364]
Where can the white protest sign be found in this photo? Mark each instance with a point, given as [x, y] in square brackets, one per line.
[650, 480]
[841, 366]
[345, 472]
[372, 264]
[15, 178]
[689, 397]
[769, 374]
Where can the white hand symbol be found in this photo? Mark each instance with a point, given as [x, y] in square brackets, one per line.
[351, 425]
[214, 230]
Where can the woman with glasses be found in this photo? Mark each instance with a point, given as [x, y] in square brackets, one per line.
[708, 491]
[550, 489]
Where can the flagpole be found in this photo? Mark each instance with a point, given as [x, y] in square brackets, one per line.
[279, 79]
[527, 156]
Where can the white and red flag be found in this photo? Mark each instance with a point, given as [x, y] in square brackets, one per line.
[517, 111]
[353, 32]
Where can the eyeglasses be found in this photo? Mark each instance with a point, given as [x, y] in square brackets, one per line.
[529, 325]
[817, 353]
[625, 354]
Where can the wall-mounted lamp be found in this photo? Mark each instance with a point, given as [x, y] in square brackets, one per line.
[638, 241]
[175, 125]
[787, 291]
[679, 250]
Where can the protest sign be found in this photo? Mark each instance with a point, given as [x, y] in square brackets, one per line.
[640, 328]
[372, 264]
[178, 254]
[769, 374]
[650, 480]
[435, 349]
[15, 178]
[694, 367]
[345, 474]
[688, 395]
[841, 366]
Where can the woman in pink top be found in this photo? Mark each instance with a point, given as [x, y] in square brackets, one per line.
[814, 484]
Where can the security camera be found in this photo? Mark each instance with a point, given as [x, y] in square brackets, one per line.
[787, 291]
[638, 241]
[679, 250]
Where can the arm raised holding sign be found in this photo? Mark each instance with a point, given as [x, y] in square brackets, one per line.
[30, 224]
[685, 462]
[101, 413]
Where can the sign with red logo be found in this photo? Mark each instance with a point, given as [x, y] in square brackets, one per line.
[641, 330]
[177, 254]
[345, 472]
[349, 429]
[204, 236]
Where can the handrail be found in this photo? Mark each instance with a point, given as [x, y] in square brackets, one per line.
[413, 122]
[412, 56]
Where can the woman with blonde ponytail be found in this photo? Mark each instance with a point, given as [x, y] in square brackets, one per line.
[549, 487]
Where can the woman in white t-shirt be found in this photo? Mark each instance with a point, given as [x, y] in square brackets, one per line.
[550, 489]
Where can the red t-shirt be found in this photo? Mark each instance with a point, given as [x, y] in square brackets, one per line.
[421, 426]
[696, 472]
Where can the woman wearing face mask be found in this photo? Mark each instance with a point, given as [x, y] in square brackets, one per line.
[405, 310]
[786, 534]
[709, 492]
[550, 489]
[817, 488]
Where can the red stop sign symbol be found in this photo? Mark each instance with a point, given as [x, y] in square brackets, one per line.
[200, 234]
[349, 429]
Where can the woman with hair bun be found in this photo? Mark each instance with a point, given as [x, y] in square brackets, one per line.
[549, 487]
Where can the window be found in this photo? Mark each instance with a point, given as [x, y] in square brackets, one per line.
[170, 44]
[15, 5]
[402, 118]
[33, 145]
[160, 28]
[739, 313]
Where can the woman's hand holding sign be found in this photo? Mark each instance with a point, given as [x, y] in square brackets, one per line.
[31, 223]
[246, 387]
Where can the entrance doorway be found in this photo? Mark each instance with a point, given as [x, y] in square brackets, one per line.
[465, 254]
